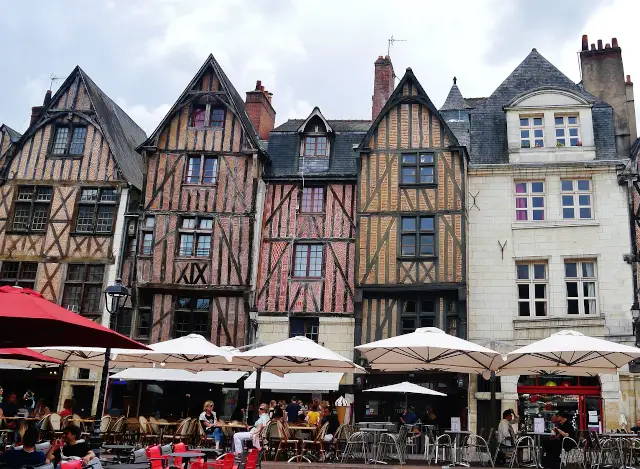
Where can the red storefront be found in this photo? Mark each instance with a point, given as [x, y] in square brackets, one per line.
[543, 396]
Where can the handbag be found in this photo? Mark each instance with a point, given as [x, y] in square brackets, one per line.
[71, 464]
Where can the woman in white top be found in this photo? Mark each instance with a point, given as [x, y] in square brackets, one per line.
[209, 422]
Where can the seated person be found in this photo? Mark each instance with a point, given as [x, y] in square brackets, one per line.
[278, 414]
[67, 408]
[209, 422]
[334, 423]
[27, 455]
[409, 417]
[313, 416]
[636, 429]
[70, 446]
[552, 446]
[505, 434]
[254, 432]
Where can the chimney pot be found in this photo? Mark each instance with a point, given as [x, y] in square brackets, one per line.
[629, 80]
[593, 46]
[380, 57]
[585, 42]
[599, 44]
[607, 46]
[614, 42]
[261, 88]
[47, 98]
[258, 84]
[386, 57]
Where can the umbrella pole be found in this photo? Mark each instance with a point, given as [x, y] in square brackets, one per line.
[258, 393]
[96, 439]
[493, 403]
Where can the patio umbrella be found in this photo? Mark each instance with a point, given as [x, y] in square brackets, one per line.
[406, 388]
[27, 319]
[24, 357]
[428, 348]
[294, 355]
[568, 352]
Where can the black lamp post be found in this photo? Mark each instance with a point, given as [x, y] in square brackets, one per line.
[635, 314]
[115, 296]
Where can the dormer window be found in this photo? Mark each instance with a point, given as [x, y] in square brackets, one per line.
[531, 132]
[567, 131]
[198, 118]
[315, 146]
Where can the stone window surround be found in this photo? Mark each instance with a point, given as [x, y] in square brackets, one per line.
[565, 317]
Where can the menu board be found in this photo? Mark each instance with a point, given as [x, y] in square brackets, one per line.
[455, 424]
[538, 425]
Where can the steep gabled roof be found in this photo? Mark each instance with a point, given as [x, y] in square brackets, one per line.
[454, 99]
[121, 132]
[397, 97]
[235, 100]
[337, 125]
[13, 134]
[488, 133]
[315, 113]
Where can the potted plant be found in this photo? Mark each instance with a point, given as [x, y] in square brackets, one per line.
[559, 144]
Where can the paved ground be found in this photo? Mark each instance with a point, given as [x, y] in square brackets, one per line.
[293, 465]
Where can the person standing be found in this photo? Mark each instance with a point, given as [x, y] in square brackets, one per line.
[552, 447]
[209, 421]
[293, 408]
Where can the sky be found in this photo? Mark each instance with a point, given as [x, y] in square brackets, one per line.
[143, 53]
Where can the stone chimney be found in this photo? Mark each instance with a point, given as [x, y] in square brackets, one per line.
[260, 110]
[37, 110]
[603, 76]
[383, 84]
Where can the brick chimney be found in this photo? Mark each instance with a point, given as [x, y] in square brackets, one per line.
[37, 110]
[383, 84]
[260, 110]
[603, 76]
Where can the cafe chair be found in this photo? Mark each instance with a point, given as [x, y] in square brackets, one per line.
[443, 448]
[334, 447]
[224, 461]
[286, 445]
[155, 458]
[357, 446]
[571, 453]
[252, 459]
[146, 432]
[153, 425]
[524, 445]
[182, 432]
[394, 445]
[316, 444]
[55, 425]
[138, 456]
[475, 447]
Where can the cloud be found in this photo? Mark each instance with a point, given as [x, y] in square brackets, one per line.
[147, 119]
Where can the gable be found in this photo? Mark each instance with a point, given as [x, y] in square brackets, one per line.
[548, 97]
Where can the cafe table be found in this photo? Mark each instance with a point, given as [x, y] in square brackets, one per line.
[162, 426]
[376, 442]
[456, 446]
[187, 455]
[537, 436]
[119, 450]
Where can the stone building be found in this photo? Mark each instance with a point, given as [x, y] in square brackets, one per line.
[68, 186]
[306, 281]
[548, 224]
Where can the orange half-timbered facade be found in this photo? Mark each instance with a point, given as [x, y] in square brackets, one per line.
[195, 271]
[69, 185]
[306, 283]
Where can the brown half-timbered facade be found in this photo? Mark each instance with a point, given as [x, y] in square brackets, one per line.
[306, 282]
[8, 137]
[68, 186]
[195, 269]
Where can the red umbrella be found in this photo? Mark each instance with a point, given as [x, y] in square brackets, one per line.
[27, 319]
[25, 357]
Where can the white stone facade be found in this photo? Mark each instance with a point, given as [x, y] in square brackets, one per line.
[497, 242]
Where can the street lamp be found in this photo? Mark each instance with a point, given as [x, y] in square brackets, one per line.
[115, 297]
[635, 314]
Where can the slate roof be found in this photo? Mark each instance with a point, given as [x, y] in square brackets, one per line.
[286, 162]
[454, 99]
[488, 129]
[236, 102]
[474, 102]
[14, 135]
[121, 133]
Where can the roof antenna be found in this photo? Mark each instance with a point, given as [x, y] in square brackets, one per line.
[53, 78]
[391, 41]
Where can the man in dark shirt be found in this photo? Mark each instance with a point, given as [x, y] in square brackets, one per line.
[552, 446]
[292, 410]
[409, 417]
[334, 423]
[10, 406]
[636, 429]
[71, 446]
[27, 456]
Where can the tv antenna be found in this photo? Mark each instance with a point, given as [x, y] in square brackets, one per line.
[392, 40]
[53, 78]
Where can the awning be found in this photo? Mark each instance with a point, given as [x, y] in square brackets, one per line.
[162, 374]
[309, 382]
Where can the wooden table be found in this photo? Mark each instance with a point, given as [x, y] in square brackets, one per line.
[30, 419]
[162, 426]
[233, 425]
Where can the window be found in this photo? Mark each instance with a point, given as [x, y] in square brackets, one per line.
[198, 113]
[96, 210]
[452, 317]
[31, 210]
[417, 169]
[315, 146]
[531, 132]
[124, 321]
[530, 201]
[63, 145]
[308, 261]
[195, 237]
[83, 289]
[217, 117]
[576, 199]
[418, 313]
[417, 236]
[567, 131]
[147, 235]
[202, 169]
[22, 274]
[84, 373]
[312, 200]
[145, 304]
[306, 327]
[532, 283]
[192, 316]
[580, 278]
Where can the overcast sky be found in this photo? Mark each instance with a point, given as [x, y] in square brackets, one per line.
[308, 53]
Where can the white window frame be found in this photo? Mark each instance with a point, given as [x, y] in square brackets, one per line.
[530, 196]
[566, 126]
[575, 194]
[581, 280]
[531, 282]
[531, 127]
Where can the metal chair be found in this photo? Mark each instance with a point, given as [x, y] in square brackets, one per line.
[445, 444]
[573, 455]
[394, 445]
[357, 446]
[475, 445]
[522, 445]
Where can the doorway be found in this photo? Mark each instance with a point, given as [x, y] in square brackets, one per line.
[83, 400]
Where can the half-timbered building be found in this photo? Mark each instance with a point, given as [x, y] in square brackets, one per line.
[410, 262]
[8, 137]
[201, 212]
[68, 185]
[306, 280]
